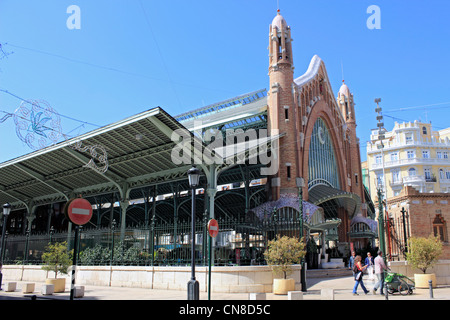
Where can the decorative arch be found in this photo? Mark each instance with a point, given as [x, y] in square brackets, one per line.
[324, 112]
[322, 168]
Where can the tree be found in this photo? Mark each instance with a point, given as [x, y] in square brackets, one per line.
[283, 252]
[56, 258]
[424, 252]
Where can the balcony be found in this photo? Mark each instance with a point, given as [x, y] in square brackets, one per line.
[411, 161]
[414, 179]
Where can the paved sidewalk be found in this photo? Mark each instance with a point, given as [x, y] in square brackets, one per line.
[342, 288]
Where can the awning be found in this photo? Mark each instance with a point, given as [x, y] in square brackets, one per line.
[320, 194]
[362, 227]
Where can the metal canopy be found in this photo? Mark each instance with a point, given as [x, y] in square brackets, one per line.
[138, 152]
[321, 194]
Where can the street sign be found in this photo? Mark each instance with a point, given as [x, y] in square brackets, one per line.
[79, 211]
[213, 228]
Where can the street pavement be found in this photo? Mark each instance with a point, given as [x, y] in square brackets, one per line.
[342, 291]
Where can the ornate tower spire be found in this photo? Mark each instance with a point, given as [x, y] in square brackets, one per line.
[282, 113]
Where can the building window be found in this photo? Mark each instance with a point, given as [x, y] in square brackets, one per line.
[427, 174]
[378, 159]
[447, 174]
[424, 130]
[394, 156]
[411, 172]
[380, 180]
[445, 153]
[396, 176]
[439, 154]
[439, 228]
[408, 138]
[441, 174]
[425, 154]
[410, 154]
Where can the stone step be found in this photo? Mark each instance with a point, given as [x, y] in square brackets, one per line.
[328, 273]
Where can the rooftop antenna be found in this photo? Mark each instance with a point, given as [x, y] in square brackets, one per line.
[342, 70]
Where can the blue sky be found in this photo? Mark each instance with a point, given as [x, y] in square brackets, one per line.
[134, 55]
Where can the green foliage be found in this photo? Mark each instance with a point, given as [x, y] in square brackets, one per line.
[424, 252]
[99, 255]
[96, 255]
[283, 252]
[56, 258]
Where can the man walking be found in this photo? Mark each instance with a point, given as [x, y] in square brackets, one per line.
[380, 266]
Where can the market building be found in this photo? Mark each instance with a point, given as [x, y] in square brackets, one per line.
[134, 173]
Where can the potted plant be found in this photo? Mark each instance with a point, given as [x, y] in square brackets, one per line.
[423, 254]
[281, 254]
[57, 259]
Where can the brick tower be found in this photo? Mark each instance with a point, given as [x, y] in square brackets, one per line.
[354, 173]
[282, 112]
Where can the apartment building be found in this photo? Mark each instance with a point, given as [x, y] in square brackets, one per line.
[412, 154]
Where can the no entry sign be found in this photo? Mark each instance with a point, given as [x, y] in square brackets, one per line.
[213, 228]
[79, 211]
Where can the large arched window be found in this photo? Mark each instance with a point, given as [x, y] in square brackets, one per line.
[322, 166]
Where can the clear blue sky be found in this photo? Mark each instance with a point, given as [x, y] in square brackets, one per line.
[134, 55]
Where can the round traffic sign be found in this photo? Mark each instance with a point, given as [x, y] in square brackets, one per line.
[213, 228]
[79, 211]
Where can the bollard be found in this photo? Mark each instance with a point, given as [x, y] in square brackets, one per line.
[430, 285]
[386, 293]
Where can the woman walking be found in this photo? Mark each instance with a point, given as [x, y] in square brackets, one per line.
[358, 271]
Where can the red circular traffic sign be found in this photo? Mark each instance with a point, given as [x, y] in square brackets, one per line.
[213, 228]
[79, 211]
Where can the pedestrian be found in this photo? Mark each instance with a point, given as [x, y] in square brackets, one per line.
[369, 262]
[358, 272]
[380, 266]
[351, 261]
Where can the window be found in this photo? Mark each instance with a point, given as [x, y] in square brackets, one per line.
[441, 174]
[424, 130]
[447, 174]
[411, 172]
[439, 154]
[425, 154]
[410, 154]
[396, 175]
[380, 179]
[378, 159]
[394, 156]
[445, 153]
[439, 228]
[408, 138]
[427, 174]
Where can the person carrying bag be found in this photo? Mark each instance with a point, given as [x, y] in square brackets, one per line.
[359, 271]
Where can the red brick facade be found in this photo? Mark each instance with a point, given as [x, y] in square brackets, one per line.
[293, 109]
[429, 214]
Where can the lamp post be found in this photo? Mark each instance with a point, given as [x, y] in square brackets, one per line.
[6, 212]
[381, 190]
[300, 217]
[113, 226]
[193, 285]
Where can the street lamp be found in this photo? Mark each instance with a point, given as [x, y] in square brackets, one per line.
[6, 212]
[113, 226]
[193, 285]
[381, 136]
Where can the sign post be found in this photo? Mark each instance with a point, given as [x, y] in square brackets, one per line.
[79, 212]
[213, 230]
